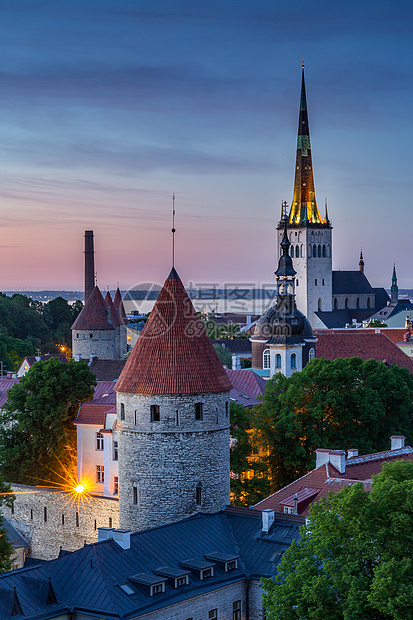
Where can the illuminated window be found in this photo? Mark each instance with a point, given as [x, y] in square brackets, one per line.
[199, 411]
[99, 441]
[266, 359]
[155, 413]
[100, 473]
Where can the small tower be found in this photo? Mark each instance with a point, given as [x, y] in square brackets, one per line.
[394, 292]
[93, 332]
[309, 234]
[173, 418]
[283, 340]
[361, 262]
[123, 323]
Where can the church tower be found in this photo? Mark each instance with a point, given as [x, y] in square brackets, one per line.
[394, 292]
[310, 235]
[172, 418]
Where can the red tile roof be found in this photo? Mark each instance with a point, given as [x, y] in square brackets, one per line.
[107, 369]
[120, 308]
[5, 384]
[94, 314]
[248, 382]
[109, 304]
[92, 414]
[173, 355]
[370, 345]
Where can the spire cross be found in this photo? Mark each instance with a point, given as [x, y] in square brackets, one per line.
[173, 230]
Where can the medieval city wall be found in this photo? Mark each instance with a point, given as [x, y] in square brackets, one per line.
[51, 520]
[102, 343]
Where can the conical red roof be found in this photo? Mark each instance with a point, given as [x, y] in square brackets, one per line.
[109, 304]
[173, 355]
[120, 308]
[94, 313]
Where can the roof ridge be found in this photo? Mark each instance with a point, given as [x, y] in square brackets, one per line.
[291, 483]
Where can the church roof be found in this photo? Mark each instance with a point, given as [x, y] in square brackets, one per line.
[94, 314]
[351, 283]
[173, 354]
[119, 307]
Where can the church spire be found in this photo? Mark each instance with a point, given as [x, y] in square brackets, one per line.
[285, 274]
[394, 292]
[361, 261]
[304, 206]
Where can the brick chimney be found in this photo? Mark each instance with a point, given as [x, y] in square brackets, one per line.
[89, 264]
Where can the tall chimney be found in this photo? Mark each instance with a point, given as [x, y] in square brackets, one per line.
[89, 264]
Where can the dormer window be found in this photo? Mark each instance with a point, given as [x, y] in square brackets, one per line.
[207, 572]
[149, 581]
[226, 561]
[201, 568]
[157, 589]
[155, 413]
[177, 577]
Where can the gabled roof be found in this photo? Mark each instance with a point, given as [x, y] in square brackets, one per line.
[107, 369]
[377, 346]
[90, 580]
[351, 283]
[32, 359]
[173, 355]
[247, 382]
[119, 307]
[113, 313]
[12, 534]
[94, 314]
[5, 384]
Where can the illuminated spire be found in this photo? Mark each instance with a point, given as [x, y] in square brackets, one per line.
[304, 208]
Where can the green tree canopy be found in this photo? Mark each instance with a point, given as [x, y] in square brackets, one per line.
[339, 404]
[355, 557]
[37, 434]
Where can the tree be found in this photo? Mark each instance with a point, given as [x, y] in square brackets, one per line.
[37, 434]
[248, 482]
[355, 557]
[6, 549]
[224, 355]
[336, 404]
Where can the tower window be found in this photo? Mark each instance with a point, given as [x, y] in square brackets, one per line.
[293, 360]
[135, 495]
[311, 354]
[323, 282]
[278, 361]
[198, 494]
[236, 610]
[266, 359]
[309, 250]
[90, 335]
[115, 450]
[315, 282]
[302, 250]
[314, 251]
[324, 251]
[292, 251]
[226, 409]
[320, 305]
[346, 303]
[199, 411]
[358, 302]
[122, 411]
[77, 519]
[45, 514]
[177, 417]
[319, 251]
[297, 251]
[155, 413]
[335, 303]
[368, 302]
[99, 441]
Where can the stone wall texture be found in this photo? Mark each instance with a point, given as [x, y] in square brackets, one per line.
[161, 463]
[102, 344]
[51, 520]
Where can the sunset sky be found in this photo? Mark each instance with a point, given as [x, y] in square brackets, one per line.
[108, 107]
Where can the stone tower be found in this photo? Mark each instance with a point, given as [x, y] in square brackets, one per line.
[94, 332]
[89, 264]
[310, 235]
[283, 339]
[173, 418]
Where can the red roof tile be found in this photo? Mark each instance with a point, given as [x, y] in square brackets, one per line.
[120, 308]
[94, 314]
[371, 345]
[173, 355]
[92, 414]
[248, 382]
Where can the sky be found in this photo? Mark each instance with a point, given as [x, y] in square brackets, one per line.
[109, 107]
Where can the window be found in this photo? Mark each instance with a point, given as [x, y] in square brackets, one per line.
[323, 282]
[136, 418]
[96, 525]
[198, 494]
[335, 303]
[135, 495]
[100, 473]
[206, 572]
[296, 282]
[177, 417]
[297, 251]
[213, 614]
[292, 251]
[311, 354]
[99, 441]
[358, 302]
[115, 450]
[368, 302]
[236, 610]
[45, 514]
[301, 250]
[309, 250]
[293, 360]
[314, 251]
[319, 251]
[320, 305]
[77, 335]
[181, 581]
[122, 411]
[63, 519]
[155, 413]
[77, 519]
[31, 514]
[288, 510]
[90, 335]
[266, 359]
[324, 251]
[315, 282]
[278, 360]
[226, 409]
[199, 411]
[157, 588]
[231, 565]
[115, 485]
[110, 521]
[346, 303]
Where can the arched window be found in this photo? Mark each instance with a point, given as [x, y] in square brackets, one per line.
[293, 360]
[311, 354]
[324, 251]
[368, 302]
[319, 251]
[292, 251]
[320, 305]
[315, 282]
[358, 302]
[266, 359]
[278, 361]
[346, 303]
[297, 251]
[335, 303]
[314, 251]
[328, 250]
[302, 250]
